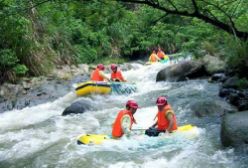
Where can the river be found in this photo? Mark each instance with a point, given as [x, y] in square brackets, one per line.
[39, 137]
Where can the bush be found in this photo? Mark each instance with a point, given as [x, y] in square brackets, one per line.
[8, 59]
[237, 56]
[20, 70]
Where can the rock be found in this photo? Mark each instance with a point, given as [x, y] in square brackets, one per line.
[213, 64]
[218, 77]
[234, 129]
[233, 99]
[182, 71]
[207, 108]
[82, 69]
[243, 104]
[77, 107]
[238, 98]
[231, 83]
[224, 92]
[26, 85]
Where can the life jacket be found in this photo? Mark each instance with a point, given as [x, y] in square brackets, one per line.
[95, 75]
[163, 122]
[153, 58]
[161, 54]
[117, 75]
[117, 130]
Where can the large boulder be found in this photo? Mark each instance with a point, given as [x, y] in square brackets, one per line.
[213, 64]
[77, 107]
[232, 82]
[234, 129]
[207, 108]
[182, 71]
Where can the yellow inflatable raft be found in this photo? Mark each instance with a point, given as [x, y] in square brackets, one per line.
[92, 87]
[97, 139]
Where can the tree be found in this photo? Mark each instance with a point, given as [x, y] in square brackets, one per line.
[229, 15]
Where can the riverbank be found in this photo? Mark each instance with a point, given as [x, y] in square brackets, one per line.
[29, 92]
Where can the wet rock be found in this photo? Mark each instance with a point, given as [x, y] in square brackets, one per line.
[231, 83]
[77, 107]
[238, 98]
[224, 92]
[243, 104]
[234, 129]
[38, 90]
[47, 91]
[67, 72]
[213, 64]
[182, 71]
[218, 77]
[207, 108]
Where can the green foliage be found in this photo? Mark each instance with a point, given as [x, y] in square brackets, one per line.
[71, 32]
[8, 59]
[20, 70]
[237, 56]
[9, 66]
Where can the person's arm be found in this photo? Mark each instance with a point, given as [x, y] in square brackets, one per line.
[126, 124]
[122, 79]
[150, 59]
[104, 76]
[171, 122]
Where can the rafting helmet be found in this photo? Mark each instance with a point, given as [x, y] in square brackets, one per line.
[101, 67]
[161, 101]
[132, 104]
[113, 67]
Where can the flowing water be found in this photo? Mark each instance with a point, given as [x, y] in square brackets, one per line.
[40, 137]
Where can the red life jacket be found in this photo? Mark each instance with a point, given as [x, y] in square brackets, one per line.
[117, 130]
[95, 75]
[163, 122]
[161, 54]
[117, 75]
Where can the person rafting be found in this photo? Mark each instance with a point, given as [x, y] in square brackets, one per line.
[166, 118]
[162, 55]
[98, 74]
[124, 120]
[116, 74]
[153, 57]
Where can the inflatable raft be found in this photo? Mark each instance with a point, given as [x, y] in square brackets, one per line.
[92, 87]
[97, 139]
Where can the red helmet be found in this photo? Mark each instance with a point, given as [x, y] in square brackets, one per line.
[132, 104]
[161, 101]
[113, 67]
[101, 67]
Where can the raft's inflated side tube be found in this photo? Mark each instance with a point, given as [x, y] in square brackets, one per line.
[90, 87]
[96, 139]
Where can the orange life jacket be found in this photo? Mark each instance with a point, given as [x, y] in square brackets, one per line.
[117, 75]
[153, 58]
[161, 54]
[117, 130]
[95, 75]
[163, 122]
